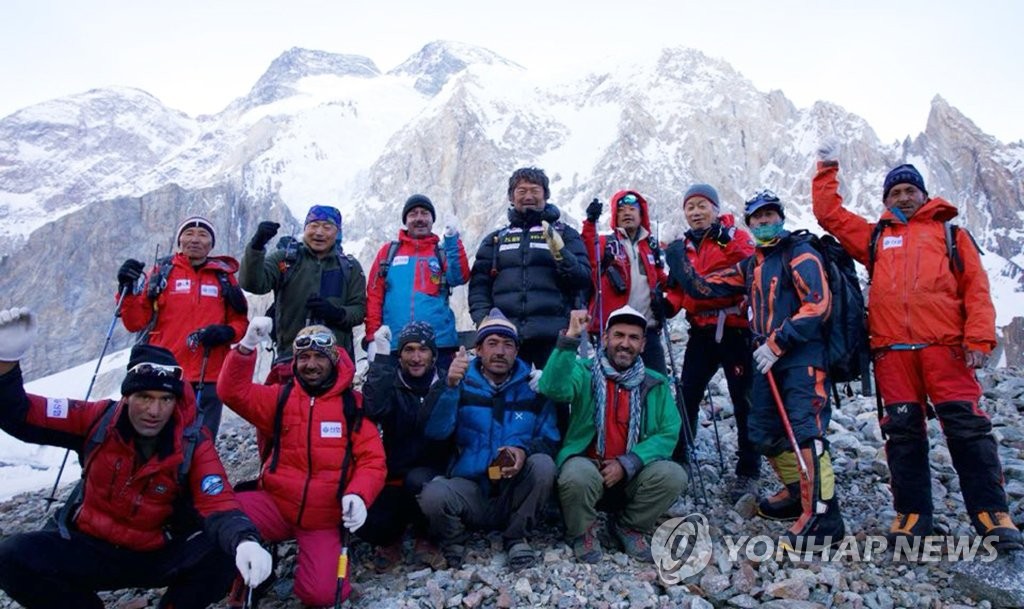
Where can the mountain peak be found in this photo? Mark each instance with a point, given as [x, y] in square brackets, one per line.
[435, 64]
[297, 63]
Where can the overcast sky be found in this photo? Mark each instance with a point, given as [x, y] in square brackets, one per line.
[882, 60]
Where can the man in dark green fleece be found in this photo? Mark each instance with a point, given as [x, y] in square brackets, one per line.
[622, 430]
[314, 282]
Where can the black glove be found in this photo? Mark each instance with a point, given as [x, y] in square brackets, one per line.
[594, 210]
[264, 233]
[320, 309]
[720, 234]
[129, 273]
[659, 306]
[211, 336]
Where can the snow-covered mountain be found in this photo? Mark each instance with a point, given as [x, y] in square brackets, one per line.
[89, 180]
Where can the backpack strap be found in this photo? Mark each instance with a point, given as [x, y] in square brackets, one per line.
[353, 421]
[496, 240]
[97, 434]
[275, 439]
[385, 266]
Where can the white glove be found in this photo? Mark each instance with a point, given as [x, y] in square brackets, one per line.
[17, 333]
[353, 512]
[381, 343]
[451, 225]
[253, 562]
[554, 239]
[258, 332]
[535, 379]
[828, 149]
[765, 358]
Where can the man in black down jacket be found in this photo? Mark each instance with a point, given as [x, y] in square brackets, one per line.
[535, 270]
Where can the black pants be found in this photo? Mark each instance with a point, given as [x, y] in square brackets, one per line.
[210, 406]
[42, 570]
[703, 358]
[396, 508]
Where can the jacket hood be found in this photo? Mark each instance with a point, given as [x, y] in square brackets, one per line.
[430, 240]
[549, 213]
[226, 264]
[936, 208]
[345, 373]
[645, 216]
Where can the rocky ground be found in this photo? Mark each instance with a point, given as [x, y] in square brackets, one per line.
[619, 582]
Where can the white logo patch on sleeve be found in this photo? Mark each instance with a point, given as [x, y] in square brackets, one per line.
[182, 285]
[209, 290]
[330, 429]
[892, 241]
[57, 408]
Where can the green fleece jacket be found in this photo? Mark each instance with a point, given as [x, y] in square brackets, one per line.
[567, 379]
[336, 277]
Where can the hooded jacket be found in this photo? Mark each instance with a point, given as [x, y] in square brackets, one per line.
[914, 296]
[191, 300]
[620, 256]
[413, 288]
[305, 483]
[127, 501]
[515, 271]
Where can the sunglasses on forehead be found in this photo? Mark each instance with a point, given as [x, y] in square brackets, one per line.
[629, 199]
[765, 195]
[150, 369]
[313, 340]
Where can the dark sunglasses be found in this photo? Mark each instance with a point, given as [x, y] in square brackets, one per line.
[150, 369]
[313, 340]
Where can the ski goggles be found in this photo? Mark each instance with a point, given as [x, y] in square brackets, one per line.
[765, 196]
[629, 199]
[313, 341]
[151, 369]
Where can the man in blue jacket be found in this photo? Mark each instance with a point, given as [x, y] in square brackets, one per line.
[505, 435]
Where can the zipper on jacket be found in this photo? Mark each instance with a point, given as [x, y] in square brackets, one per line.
[309, 463]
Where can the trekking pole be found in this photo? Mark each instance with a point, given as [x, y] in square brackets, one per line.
[714, 423]
[201, 413]
[691, 462]
[789, 428]
[88, 392]
[597, 283]
[342, 566]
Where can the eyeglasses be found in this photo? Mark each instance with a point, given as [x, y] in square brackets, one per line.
[629, 199]
[151, 369]
[765, 195]
[313, 340]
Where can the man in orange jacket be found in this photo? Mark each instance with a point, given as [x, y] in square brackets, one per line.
[931, 323]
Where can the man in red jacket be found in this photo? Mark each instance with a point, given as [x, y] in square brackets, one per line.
[191, 305]
[134, 525]
[325, 464]
[931, 322]
[719, 331]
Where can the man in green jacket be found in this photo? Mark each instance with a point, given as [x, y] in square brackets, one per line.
[623, 426]
[314, 282]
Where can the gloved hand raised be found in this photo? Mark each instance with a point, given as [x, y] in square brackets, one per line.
[129, 274]
[554, 239]
[534, 382]
[828, 149]
[451, 225]
[253, 563]
[17, 333]
[353, 512]
[264, 233]
[381, 343]
[324, 311]
[258, 332]
[211, 336]
[594, 210]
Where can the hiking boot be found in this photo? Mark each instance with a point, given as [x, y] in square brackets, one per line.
[998, 525]
[587, 547]
[634, 543]
[741, 487]
[520, 554]
[816, 531]
[454, 554]
[783, 505]
[386, 557]
[909, 525]
[424, 552]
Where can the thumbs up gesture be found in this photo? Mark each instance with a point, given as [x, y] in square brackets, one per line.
[459, 367]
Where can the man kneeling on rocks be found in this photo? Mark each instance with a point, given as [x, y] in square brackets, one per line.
[622, 430]
[147, 515]
[505, 435]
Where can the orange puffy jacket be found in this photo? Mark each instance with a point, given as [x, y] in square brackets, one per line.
[914, 297]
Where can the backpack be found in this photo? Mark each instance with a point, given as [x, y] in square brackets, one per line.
[231, 293]
[846, 335]
[956, 263]
[385, 265]
[97, 434]
[286, 265]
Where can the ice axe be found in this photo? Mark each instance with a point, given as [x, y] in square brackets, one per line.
[788, 427]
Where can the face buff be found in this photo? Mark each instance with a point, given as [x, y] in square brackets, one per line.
[766, 233]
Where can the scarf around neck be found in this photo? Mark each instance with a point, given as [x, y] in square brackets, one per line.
[631, 379]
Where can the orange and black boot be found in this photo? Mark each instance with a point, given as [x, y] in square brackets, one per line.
[998, 525]
[785, 504]
[910, 526]
[820, 524]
